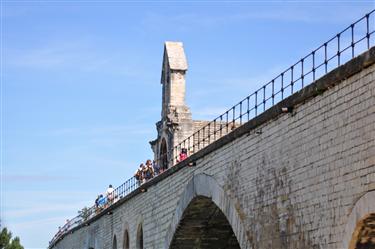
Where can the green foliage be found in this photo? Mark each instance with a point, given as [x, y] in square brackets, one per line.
[6, 241]
[5, 237]
[84, 213]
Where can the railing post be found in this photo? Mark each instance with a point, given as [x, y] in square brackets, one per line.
[227, 121]
[368, 31]
[234, 117]
[248, 108]
[302, 75]
[264, 98]
[352, 43]
[256, 103]
[215, 129]
[325, 57]
[291, 79]
[273, 92]
[313, 69]
[282, 85]
[241, 113]
[338, 49]
[221, 125]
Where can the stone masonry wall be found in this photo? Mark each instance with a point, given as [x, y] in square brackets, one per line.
[292, 185]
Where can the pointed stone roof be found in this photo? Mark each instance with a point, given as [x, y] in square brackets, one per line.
[174, 58]
[176, 55]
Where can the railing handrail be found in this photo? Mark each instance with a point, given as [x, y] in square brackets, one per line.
[131, 184]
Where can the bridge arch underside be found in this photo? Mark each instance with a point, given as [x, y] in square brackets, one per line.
[364, 236]
[204, 226]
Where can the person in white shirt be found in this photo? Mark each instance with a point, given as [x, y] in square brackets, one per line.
[109, 193]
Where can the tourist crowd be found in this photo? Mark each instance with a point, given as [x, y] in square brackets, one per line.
[105, 200]
[148, 170]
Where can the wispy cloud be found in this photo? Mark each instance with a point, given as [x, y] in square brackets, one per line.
[105, 130]
[28, 212]
[40, 222]
[44, 227]
[72, 53]
[42, 209]
[316, 13]
[245, 84]
[293, 13]
[32, 204]
[30, 178]
[252, 82]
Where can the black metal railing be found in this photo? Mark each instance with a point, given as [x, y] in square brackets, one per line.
[120, 192]
[355, 39]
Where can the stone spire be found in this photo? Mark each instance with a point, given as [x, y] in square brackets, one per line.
[176, 122]
[173, 77]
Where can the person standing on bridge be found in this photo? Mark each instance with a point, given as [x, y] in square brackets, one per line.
[183, 155]
[102, 202]
[139, 175]
[97, 202]
[148, 171]
[110, 193]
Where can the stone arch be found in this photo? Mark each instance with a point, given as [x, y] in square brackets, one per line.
[139, 240]
[360, 224]
[204, 187]
[126, 240]
[126, 237]
[92, 241]
[163, 156]
[114, 243]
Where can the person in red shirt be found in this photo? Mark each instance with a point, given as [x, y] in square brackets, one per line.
[183, 155]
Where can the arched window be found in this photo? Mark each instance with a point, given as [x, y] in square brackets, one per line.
[163, 155]
[126, 240]
[140, 237]
[114, 245]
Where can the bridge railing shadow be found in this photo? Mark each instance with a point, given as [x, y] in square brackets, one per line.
[345, 45]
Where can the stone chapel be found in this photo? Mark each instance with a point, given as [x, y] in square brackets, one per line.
[176, 123]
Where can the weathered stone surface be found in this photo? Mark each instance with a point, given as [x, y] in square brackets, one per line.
[306, 181]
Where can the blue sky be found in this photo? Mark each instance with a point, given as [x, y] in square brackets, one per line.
[81, 86]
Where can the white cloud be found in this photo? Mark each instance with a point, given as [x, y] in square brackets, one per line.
[78, 54]
[29, 178]
[40, 223]
[32, 205]
[307, 12]
[44, 208]
[107, 130]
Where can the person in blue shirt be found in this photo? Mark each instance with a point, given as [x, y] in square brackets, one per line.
[102, 201]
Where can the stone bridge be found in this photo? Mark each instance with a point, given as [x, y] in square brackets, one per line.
[298, 174]
[300, 179]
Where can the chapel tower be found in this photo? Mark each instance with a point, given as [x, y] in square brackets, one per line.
[176, 122]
